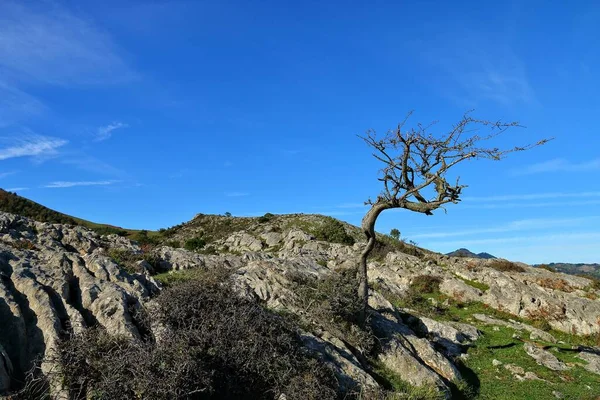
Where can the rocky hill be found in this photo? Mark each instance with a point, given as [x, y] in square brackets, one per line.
[592, 270]
[438, 327]
[462, 252]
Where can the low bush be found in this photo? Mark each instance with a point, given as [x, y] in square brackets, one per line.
[505, 266]
[556, 284]
[426, 284]
[214, 344]
[195, 243]
[266, 218]
[332, 303]
[109, 230]
[24, 244]
[333, 231]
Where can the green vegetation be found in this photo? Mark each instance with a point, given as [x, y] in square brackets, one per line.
[395, 233]
[15, 204]
[128, 260]
[332, 231]
[477, 285]
[195, 243]
[266, 218]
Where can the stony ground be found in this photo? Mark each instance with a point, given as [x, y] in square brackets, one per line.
[445, 327]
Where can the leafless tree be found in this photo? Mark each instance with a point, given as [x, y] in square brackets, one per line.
[415, 163]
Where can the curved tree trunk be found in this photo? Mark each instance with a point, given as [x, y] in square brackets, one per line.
[368, 227]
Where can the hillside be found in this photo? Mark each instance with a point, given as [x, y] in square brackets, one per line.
[14, 204]
[226, 307]
[574, 269]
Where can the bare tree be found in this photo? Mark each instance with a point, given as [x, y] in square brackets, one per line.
[415, 164]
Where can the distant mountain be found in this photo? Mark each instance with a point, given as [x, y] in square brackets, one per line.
[574, 269]
[467, 253]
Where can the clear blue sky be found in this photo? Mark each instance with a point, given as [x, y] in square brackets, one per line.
[145, 113]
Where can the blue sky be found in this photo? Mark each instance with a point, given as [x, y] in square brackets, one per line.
[144, 113]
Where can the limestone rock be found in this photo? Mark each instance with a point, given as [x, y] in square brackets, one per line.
[544, 358]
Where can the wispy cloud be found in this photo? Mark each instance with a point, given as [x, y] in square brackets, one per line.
[532, 196]
[514, 226]
[106, 132]
[16, 105]
[480, 70]
[67, 184]
[45, 42]
[527, 239]
[32, 146]
[237, 194]
[17, 189]
[560, 165]
[5, 174]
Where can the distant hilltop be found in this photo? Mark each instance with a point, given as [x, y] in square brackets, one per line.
[467, 253]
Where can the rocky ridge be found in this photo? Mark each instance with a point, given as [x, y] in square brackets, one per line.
[58, 279]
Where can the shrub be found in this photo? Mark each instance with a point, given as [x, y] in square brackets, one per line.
[332, 303]
[215, 345]
[173, 243]
[109, 230]
[266, 218]
[24, 244]
[385, 245]
[333, 231]
[395, 233]
[195, 243]
[556, 284]
[425, 284]
[505, 266]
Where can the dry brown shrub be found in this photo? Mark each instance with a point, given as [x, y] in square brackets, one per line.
[556, 284]
[505, 266]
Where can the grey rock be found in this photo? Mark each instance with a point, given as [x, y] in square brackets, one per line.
[544, 358]
[592, 360]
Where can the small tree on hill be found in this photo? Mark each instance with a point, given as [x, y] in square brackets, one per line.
[395, 233]
[415, 163]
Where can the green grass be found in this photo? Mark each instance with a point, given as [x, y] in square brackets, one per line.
[176, 277]
[489, 382]
[477, 285]
[499, 384]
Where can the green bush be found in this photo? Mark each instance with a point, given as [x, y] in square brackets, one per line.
[426, 284]
[333, 231]
[195, 243]
[266, 218]
[109, 230]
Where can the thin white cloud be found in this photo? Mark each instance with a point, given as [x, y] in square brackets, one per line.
[237, 194]
[532, 196]
[560, 165]
[32, 146]
[561, 204]
[106, 132]
[68, 184]
[479, 69]
[17, 189]
[44, 42]
[8, 173]
[16, 105]
[514, 226]
[527, 239]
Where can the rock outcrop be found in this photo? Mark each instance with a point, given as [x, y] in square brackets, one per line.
[57, 280]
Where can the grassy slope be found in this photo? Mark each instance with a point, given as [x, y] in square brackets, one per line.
[15, 204]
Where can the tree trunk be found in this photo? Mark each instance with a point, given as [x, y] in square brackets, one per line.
[368, 227]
